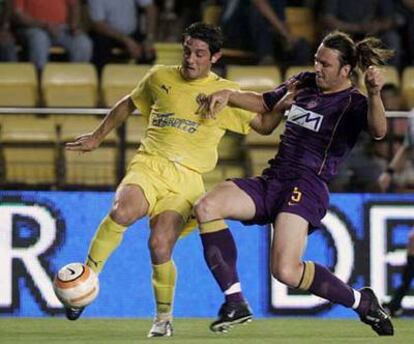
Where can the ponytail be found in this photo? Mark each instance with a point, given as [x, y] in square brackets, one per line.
[371, 52]
[368, 52]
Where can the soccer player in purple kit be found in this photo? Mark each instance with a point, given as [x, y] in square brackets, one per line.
[325, 113]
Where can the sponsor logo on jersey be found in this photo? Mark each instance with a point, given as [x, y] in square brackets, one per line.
[166, 88]
[305, 118]
[168, 120]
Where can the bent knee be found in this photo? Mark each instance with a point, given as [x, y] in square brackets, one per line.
[161, 246]
[288, 274]
[123, 215]
[205, 209]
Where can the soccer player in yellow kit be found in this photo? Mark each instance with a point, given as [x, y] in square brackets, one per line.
[164, 179]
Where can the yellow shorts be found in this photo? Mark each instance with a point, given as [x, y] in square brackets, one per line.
[166, 186]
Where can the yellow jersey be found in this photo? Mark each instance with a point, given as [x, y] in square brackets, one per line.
[175, 131]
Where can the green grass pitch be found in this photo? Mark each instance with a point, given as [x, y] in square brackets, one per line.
[195, 331]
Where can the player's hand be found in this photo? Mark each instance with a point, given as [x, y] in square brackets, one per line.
[384, 181]
[202, 101]
[214, 103]
[84, 143]
[289, 98]
[134, 48]
[374, 80]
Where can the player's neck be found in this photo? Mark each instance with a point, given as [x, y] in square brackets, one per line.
[338, 88]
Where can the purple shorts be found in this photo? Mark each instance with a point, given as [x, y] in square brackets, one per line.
[303, 194]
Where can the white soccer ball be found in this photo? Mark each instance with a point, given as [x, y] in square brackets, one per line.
[76, 285]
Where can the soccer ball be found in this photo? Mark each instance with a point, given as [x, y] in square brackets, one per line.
[76, 285]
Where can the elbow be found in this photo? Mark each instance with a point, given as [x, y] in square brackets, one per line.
[266, 131]
[379, 134]
[378, 131]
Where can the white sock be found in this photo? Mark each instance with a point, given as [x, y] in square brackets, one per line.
[357, 297]
[235, 288]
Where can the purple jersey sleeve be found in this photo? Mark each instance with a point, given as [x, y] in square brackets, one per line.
[272, 97]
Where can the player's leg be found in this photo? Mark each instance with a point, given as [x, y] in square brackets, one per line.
[288, 244]
[394, 306]
[225, 201]
[165, 230]
[129, 205]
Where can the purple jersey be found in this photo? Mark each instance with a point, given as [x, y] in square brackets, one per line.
[321, 129]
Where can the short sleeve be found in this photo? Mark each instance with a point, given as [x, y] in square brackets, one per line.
[272, 97]
[141, 95]
[236, 120]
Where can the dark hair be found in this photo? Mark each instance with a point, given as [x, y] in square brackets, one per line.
[368, 52]
[210, 34]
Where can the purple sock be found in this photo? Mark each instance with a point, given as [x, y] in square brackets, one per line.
[364, 304]
[326, 285]
[220, 254]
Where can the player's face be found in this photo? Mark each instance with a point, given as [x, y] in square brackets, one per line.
[197, 59]
[330, 76]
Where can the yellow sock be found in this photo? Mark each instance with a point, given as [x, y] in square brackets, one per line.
[107, 238]
[308, 275]
[163, 282]
[212, 226]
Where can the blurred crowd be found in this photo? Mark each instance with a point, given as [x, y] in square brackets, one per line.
[89, 30]
[103, 31]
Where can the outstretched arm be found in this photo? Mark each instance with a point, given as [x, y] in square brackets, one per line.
[246, 100]
[265, 123]
[267, 11]
[377, 123]
[118, 114]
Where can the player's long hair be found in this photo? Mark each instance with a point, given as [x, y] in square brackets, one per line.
[210, 34]
[368, 52]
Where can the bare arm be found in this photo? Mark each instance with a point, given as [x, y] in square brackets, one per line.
[74, 16]
[333, 23]
[246, 100]
[151, 22]
[102, 28]
[399, 158]
[5, 16]
[265, 123]
[377, 123]
[117, 115]
[26, 20]
[396, 164]
[267, 11]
